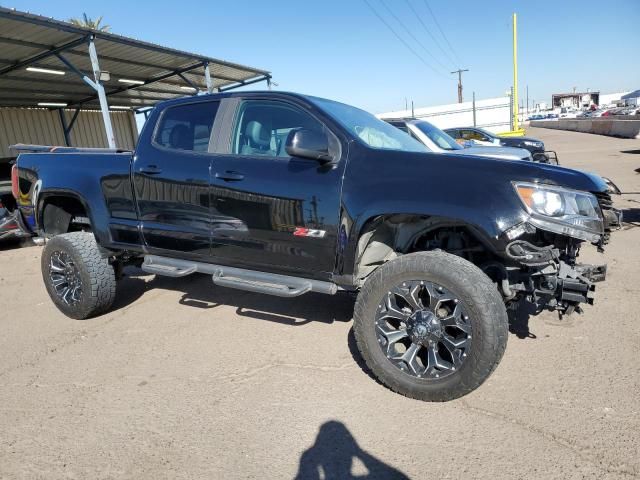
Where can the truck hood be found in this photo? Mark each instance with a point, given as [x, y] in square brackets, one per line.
[474, 170]
[505, 153]
[473, 190]
[518, 140]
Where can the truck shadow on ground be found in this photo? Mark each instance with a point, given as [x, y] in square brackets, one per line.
[336, 455]
[630, 217]
[519, 320]
[14, 243]
[198, 291]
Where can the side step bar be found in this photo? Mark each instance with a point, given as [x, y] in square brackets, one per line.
[250, 280]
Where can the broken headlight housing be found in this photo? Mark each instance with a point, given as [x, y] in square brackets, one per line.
[561, 210]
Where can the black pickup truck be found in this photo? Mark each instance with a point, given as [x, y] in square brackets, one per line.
[284, 194]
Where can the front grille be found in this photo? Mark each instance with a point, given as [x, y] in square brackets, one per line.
[608, 215]
[604, 199]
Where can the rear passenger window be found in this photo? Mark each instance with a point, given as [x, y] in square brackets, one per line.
[187, 127]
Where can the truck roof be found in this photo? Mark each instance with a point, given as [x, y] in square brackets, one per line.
[262, 93]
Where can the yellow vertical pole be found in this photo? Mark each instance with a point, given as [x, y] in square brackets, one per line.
[516, 127]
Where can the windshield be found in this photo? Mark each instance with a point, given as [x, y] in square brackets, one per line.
[437, 136]
[371, 130]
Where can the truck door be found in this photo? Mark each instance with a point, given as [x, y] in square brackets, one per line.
[271, 211]
[171, 176]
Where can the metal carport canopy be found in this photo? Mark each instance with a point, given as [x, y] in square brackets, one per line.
[50, 63]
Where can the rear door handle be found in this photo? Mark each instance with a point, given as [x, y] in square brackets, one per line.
[230, 176]
[150, 169]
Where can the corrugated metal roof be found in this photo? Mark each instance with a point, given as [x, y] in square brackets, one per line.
[28, 40]
[634, 94]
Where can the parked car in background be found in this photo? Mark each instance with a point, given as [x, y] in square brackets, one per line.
[614, 111]
[439, 141]
[485, 137]
[568, 112]
[629, 110]
[623, 111]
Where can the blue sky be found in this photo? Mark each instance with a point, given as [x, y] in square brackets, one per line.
[339, 49]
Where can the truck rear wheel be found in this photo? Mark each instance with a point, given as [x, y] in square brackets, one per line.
[430, 326]
[79, 280]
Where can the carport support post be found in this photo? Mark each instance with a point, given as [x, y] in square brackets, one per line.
[104, 106]
[65, 129]
[207, 78]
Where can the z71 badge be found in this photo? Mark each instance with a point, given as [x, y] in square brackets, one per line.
[309, 232]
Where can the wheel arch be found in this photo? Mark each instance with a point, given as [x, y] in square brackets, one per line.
[382, 237]
[67, 201]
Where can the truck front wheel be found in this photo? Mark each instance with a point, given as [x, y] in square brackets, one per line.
[79, 280]
[430, 325]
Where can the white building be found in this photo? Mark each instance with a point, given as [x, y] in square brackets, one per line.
[492, 114]
[611, 98]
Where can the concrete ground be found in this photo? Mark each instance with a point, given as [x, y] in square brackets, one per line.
[183, 380]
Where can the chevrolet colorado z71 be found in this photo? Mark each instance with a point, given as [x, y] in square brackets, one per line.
[284, 194]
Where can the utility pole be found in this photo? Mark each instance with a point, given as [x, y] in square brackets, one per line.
[515, 73]
[459, 72]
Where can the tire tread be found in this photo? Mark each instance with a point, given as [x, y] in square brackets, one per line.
[486, 298]
[100, 296]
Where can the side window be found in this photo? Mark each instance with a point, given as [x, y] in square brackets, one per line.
[453, 133]
[467, 134]
[471, 135]
[187, 127]
[400, 126]
[482, 136]
[262, 127]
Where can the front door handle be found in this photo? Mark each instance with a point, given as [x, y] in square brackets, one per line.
[150, 169]
[230, 176]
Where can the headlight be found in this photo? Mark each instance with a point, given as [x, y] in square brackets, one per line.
[530, 143]
[561, 210]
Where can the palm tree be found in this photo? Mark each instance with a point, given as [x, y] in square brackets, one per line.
[86, 22]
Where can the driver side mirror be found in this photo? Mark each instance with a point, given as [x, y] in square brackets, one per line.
[309, 144]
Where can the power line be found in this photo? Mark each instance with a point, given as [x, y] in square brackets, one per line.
[411, 34]
[435, 20]
[409, 47]
[426, 29]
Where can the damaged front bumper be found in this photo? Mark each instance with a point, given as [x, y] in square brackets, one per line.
[559, 286]
[549, 280]
[576, 285]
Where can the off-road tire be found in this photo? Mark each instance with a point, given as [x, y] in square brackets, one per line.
[486, 311]
[97, 276]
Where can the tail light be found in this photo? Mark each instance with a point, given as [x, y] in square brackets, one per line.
[15, 189]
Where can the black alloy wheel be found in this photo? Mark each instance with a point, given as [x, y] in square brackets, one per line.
[423, 329]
